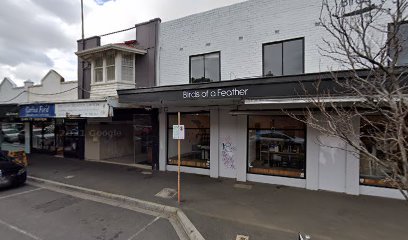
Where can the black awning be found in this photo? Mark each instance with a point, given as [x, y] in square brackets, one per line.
[232, 91]
[9, 111]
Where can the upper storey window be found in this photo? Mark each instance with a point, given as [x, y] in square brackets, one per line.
[205, 68]
[127, 67]
[110, 67]
[113, 66]
[283, 58]
[401, 45]
[98, 69]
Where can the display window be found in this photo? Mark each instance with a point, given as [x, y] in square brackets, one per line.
[195, 148]
[276, 146]
[43, 136]
[12, 137]
[372, 173]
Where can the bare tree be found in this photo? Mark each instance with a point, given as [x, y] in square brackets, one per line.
[368, 39]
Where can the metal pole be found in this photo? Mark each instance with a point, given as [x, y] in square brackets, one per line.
[82, 20]
[179, 161]
[83, 48]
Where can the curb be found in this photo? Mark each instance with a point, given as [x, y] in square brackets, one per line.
[190, 230]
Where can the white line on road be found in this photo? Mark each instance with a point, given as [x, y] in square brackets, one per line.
[19, 230]
[144, 228]
[21, 193]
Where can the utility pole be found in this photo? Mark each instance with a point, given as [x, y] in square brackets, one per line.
[178, 163]
[83, 48]
[82, 20]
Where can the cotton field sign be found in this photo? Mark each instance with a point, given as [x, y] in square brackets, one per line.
[178, 132]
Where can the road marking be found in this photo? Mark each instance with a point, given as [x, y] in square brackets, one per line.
[242, 237]
[21, 193]
[144, 228]
[19, 230]
[167, 193]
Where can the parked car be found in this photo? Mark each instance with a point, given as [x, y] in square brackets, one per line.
[21, 136]
[10, 135]
[11, 173]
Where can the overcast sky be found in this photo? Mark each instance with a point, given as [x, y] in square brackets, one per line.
[39, 35]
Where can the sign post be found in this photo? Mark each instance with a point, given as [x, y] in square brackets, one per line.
[178, 133]
[178, 159]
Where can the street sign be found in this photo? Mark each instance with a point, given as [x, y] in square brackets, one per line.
[178, 132]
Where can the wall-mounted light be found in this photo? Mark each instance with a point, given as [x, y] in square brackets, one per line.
[208, 44]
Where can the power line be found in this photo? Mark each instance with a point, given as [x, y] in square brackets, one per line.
[124, 30]
[51, 94]
[39, 94]
[18, 95]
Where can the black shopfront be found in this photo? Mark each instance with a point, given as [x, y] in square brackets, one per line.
[11, 138]
[63, 137]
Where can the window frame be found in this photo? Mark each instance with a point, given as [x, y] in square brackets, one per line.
[247, 147]
[281, 42]
[127, 66]
[167, 138]
[203, 55]
[108, 66]
[390, 25]
[376, 180]
[98, 68]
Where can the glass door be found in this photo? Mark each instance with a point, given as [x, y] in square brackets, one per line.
[43, 136]
[142, 138]
[73, 139]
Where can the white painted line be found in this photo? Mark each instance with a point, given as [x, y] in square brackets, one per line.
[21, 193]
[19, 230]
[144, 228]
[242, 237]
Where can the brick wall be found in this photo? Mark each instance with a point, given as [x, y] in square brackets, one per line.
[256, 21]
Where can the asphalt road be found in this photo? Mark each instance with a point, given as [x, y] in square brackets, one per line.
[36, 213]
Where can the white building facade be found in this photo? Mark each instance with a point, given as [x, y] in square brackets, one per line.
[215, 67]
[17, 133]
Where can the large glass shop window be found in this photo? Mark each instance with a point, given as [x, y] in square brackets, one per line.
[195, 148]
[276, 146]
[43, 137]
[12, 136]
[371, 173]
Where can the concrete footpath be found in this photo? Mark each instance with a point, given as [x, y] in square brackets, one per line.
[221, 209]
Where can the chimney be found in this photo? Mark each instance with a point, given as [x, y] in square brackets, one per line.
[84, 70]
[145, 67]
[28, 83]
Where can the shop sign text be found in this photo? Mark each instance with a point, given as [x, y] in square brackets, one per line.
[84, 109]
[37, 111]
[215, 93]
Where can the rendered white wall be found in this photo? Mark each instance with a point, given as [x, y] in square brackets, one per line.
[10, 93]
[228, 156]
[53, 88]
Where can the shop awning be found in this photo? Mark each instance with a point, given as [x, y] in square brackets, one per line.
[232, 92]
[8, 110]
